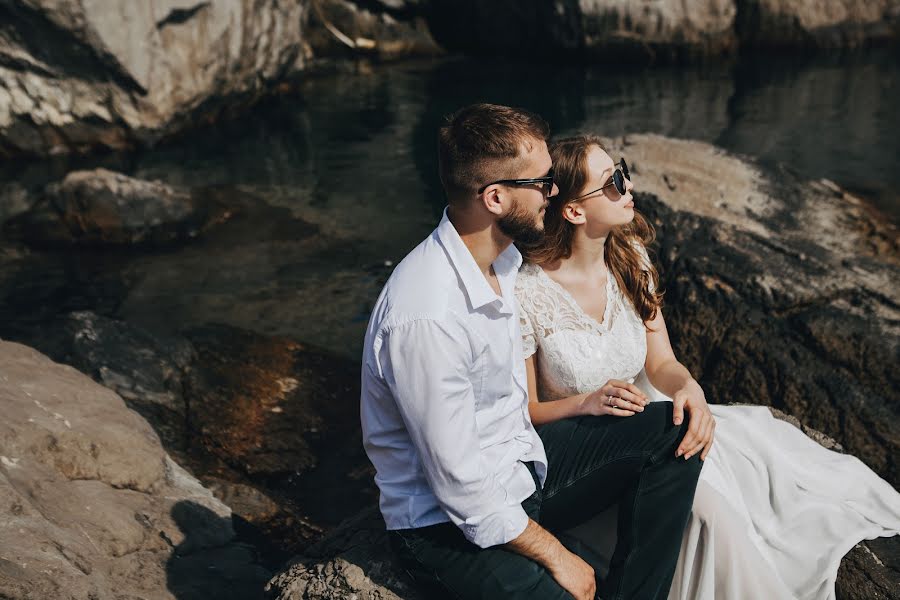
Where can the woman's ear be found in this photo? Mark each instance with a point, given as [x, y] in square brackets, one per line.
[573, 212]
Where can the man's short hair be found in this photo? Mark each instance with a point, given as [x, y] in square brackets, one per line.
[481, 142]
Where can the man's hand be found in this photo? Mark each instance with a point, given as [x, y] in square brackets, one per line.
[575, 576]
[702, 424]
[568, 569]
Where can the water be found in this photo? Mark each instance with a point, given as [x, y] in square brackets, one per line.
[354, 154]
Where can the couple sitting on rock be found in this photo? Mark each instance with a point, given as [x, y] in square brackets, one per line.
[533, 433]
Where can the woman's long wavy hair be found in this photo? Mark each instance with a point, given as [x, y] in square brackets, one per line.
[623, 259]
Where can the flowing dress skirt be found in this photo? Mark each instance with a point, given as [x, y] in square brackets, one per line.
[774, 513]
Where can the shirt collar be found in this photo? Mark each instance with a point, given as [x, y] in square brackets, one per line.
[474, 283]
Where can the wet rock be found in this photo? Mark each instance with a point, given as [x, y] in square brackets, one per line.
[90, 504]
[102, 207]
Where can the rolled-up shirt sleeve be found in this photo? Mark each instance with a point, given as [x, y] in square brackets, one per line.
[427, 364]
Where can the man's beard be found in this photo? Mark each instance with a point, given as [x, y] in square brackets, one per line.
[520, 226]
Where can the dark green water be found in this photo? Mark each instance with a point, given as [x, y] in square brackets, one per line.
[354, 154]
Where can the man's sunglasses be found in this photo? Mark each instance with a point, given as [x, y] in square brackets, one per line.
[546, 181]
[618, 179]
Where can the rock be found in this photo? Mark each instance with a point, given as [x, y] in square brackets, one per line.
[601, 28]
[76, 75]
[90, 504]
[14, 200]
[353, 561]
[386, 30]
[147, 370]
[607, 30]
[822, 23]
[269, 425]
[102, 207]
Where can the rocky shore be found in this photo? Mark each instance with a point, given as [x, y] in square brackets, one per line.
[778, 292]
[190, 304]
[93, 507]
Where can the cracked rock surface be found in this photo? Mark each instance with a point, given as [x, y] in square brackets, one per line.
[92, 507]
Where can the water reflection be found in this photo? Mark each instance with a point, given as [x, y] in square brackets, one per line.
[339, 180]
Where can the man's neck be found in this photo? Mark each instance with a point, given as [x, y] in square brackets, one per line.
[480, 236]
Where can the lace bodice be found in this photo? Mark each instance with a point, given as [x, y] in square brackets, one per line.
[575, 353]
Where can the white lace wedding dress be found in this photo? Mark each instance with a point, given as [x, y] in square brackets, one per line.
[774, 511]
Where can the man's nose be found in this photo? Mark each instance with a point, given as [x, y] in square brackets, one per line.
[554, 190]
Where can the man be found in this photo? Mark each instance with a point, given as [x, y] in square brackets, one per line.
[444, 412]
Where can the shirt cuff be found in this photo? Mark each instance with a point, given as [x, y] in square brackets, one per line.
[496, 528]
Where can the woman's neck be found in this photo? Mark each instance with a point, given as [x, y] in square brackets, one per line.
[587, 254]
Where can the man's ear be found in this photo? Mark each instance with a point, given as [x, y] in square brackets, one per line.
[573, 212]
[493, 198]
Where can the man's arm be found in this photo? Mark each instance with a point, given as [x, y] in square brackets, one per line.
[427, 364]
[568, 569]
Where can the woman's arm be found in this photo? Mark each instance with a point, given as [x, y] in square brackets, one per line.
[674, 380]
[663, 369]
[627, 399]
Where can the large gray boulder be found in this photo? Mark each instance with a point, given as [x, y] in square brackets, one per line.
[93, 508]
[82, 74]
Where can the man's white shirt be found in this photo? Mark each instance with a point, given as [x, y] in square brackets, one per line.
[444, 403]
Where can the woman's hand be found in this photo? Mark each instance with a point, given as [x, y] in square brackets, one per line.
[617, 398]
[702, 424]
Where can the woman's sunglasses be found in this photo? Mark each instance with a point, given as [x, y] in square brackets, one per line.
[546, 181]
[618, 179]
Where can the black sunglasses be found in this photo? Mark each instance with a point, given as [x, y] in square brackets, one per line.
[618, 179]
[546, 181]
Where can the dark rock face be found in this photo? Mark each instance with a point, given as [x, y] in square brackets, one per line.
[602, 29]
[102, 207]
[606, 30]
[848, 23]
[93, 507]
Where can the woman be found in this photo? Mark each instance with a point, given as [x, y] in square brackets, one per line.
[774, 512]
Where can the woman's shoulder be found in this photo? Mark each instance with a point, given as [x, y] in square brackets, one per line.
[528, 274]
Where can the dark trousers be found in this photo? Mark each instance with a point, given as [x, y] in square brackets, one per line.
[593, 463]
